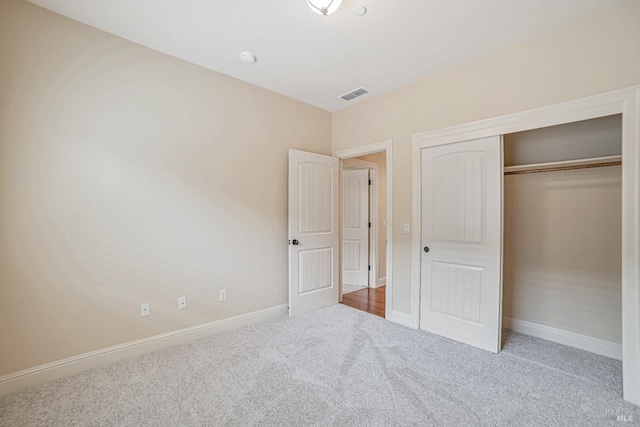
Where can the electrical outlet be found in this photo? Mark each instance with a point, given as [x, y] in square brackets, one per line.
[406, 228]
[145, 310]
[223, 295]
[182, 303]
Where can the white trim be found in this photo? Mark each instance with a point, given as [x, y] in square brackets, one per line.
[72, 365]
[583, 342]
[631, 247]
[501, 302]
[374, 259]
[363, 150]
[381, 282]
[401, 318]
[359, 164]
[416, 233]
[567, 112]
[340, 185]
[387, 147]
[625, 102]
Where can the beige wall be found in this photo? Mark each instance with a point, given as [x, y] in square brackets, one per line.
[580, 140]
[593, 55]
[381, 160]
[562, 250]
[129, 176]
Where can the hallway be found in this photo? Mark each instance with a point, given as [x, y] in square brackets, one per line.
[371, 300]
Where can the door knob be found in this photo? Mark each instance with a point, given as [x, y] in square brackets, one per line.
[426, 248]
[294, 242]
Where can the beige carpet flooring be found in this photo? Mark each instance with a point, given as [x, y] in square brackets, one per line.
[335, 367]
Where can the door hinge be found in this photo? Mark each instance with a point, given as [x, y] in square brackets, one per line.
[369, 225]
[369, 268]
[369, 182]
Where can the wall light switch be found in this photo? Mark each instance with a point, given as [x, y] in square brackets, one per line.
[223, 295]
[145, 310]
[182, 303]
[406, 228]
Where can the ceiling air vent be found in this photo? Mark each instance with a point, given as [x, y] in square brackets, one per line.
[354, 94]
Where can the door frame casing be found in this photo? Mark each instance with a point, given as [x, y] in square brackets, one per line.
[625, 102]
[387, 147]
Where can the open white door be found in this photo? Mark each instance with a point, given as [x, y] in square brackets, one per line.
[313, 231]
[355, 227]
[461, 239]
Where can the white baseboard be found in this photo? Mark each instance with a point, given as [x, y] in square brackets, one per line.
[61, 368]
[402, 319]
[381, 282]
[584, 342]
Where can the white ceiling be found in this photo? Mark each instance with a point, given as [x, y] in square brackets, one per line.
[316, 58]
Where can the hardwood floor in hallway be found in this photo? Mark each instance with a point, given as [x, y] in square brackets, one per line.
[371, 300]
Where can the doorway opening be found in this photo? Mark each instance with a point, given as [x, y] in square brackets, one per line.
[366, 228]
[363, 213]
[562, 234]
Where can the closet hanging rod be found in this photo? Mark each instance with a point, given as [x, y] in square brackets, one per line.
[596, 162]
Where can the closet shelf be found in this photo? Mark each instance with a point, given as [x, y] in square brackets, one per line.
[594, 162]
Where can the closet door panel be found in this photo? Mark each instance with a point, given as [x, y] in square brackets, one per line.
[461, 239]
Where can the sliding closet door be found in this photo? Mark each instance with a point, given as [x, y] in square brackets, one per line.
[461, 241]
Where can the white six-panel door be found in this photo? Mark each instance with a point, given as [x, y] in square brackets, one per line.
[461, 241]
[355, 227]
[313, 231]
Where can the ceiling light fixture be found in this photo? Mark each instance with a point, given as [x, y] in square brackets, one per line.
[324, 7]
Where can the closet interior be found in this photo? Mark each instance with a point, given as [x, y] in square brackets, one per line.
[562, 251]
